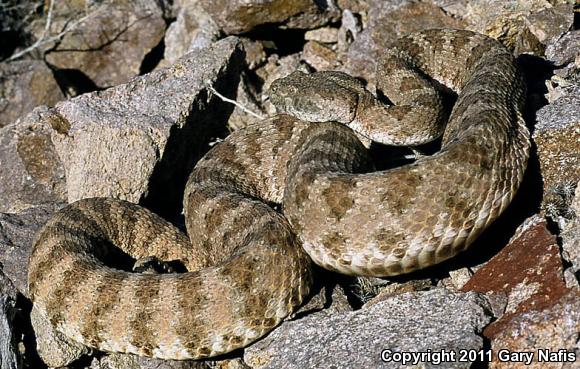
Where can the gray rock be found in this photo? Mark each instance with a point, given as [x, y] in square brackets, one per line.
[565, 54]
[241, 16]
[247, 97]
[412, 322]
[350, 27]
[110, 44]
[319, 56]
[139, 141]
[193, 29]
[522, 25]
[565, 49]
[570, 235]
[123, 361]
[17, 232]
[32, 173]
[9, 358]
[557, 136]
[23, 86]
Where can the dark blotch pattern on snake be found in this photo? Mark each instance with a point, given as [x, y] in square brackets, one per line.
[249, 264]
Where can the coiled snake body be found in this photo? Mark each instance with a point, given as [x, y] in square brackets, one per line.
[248, 269]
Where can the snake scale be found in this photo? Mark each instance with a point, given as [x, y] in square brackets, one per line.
[249, 265]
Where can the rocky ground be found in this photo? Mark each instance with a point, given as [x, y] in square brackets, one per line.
[121, 98]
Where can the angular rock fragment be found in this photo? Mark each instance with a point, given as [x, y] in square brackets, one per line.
[551, 334]
[140, 140]
[193, 29]
[528, 271]
[235, 17]
[112, 40]
[23, 86]
[9, 358]
[557, 137]
[17, 232]
[31, 170]
[411, 322]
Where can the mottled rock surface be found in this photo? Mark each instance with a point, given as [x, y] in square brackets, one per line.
[31, 171]
[23, 86]
[193, 29]
[565, 54]
[522, 25]
[240, 16]
[570, 234]
[9, 358]
[110, 43]
[17, 232]
[141, 139]
[405, 322]
[528, 271]
[552, 331]
[557, 137]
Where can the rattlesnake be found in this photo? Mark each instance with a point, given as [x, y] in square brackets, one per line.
[251, 269]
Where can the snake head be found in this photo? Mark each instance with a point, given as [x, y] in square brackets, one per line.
[316, 97]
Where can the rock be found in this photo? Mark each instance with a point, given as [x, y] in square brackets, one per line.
[330, 299]
[550, 23]
[193, 29]
[125, 361]
[387, 22]
[565, 54]
[528, 271]
[23, 86]
[565, 49]
[327, 35]
[32, 173]
[53, 347]
[570, 235]
[319, 56]
[374, 290]
[110, 44]
[521, 25]
[557, 137]
[460, 277]
[247, 97]
[255, 53]
[239, 16]
[229, 364]
[139, 141]
[17, 232]
[355, 6]
[552, 331]
[350, 27]
[356, 339]
[9, 358]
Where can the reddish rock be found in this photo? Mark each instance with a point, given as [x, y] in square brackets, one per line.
[528, 270]
[549, 333]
